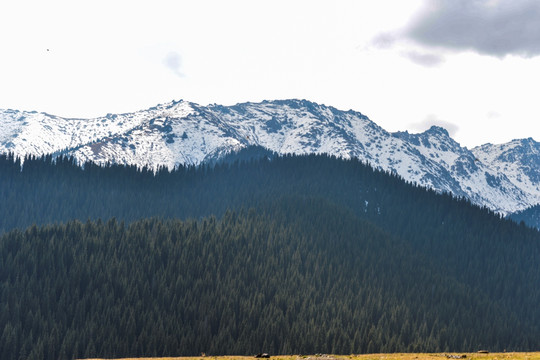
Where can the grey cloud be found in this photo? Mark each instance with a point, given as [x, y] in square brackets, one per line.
[431, 120]
[384, 40]
[173, 62]
[424, 59]
[493, 27]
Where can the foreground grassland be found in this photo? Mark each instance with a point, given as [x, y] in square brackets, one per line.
[436, 356]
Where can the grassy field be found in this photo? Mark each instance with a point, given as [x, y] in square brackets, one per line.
[437, 356]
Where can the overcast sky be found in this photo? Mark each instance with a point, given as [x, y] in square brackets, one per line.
[471, 66]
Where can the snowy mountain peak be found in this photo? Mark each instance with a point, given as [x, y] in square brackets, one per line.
[503, 177]
[435, 130]
[435, 137]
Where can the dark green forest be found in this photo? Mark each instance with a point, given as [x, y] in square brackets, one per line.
[293, 254]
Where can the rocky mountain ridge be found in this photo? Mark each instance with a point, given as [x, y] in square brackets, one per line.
[504, 178]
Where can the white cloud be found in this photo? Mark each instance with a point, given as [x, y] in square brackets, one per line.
[493, 114]
[173, 62]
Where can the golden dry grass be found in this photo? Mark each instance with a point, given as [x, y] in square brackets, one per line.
[437, 356]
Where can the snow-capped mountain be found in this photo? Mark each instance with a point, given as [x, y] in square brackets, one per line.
[505, 178]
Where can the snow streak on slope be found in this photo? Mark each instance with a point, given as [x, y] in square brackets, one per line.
[504, 178]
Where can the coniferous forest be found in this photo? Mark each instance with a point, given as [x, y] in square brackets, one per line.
[293, 254]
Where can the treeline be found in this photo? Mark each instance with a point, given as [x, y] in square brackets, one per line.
[333, 257]
[299, 276]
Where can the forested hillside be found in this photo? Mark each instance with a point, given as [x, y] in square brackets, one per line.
[303, 277]
[48, 191]
[304, 254]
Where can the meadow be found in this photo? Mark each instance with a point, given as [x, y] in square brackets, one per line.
[397, 356]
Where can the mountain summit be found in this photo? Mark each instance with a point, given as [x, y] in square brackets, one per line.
[504, 178]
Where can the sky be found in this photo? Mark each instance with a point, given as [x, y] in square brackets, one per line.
[471, 66]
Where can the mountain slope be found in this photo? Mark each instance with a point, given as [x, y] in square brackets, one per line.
[183, 133]
[519, 160]
[332, 256]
